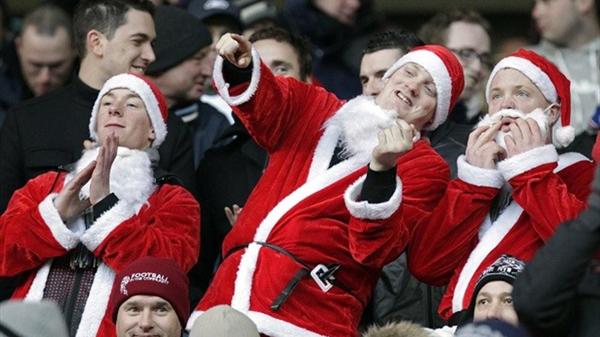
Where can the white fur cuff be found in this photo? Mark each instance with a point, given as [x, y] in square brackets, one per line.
[527, 160]
[223, 87]
[67, 239]
[106, 223]
[365, 210]
[478, 176]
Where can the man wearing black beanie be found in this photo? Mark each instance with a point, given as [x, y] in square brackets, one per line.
[182, 70]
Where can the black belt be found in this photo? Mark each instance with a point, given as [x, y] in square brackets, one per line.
[322, 274]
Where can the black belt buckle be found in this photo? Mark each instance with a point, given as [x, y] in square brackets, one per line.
[323, 276]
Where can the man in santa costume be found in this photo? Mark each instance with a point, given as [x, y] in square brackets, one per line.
[68, 233]
[344, 186]
[513, 189]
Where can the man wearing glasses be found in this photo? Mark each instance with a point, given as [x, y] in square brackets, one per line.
[467, 34]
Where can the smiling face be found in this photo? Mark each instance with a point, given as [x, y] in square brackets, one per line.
[494, 301]
[123, 112]
[409, 88]
[129, 49]
[144, 315]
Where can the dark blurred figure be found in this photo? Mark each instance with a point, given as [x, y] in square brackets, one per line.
[558, 294]
[40, 59]
[257, 14]
[342, 34]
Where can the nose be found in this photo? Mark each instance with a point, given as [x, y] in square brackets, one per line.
[508, 103]
[115, 109]
[413, 88]
[536, 11]
[146, 322]
[373, 87]
[494, 312]
[44, 75]
[148, 54]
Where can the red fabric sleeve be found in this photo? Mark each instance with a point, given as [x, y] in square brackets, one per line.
[167, 226]
[552, 198]
[283, 105]
[26, 241]
[443, 239]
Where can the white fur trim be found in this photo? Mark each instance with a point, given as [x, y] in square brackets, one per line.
[478, 176]
[96, 305]
[491, 234]
[223, 87]
[36, 290]
[564, 135]
[106, 223]
[438, 71]
[369, 211]
[274, 327]
[66, 238]
[246, 268]
[523, 162]
[142, 89]
[323, 152]
[266, 325]
[533, 72]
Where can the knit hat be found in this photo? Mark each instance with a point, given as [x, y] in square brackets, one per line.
[505, 268]
[153, 99]
[178, 36]
[490, 328]
[223, 321]
[553, 84]
[32, 319]
[206, 9]
[152, 276]
[447, 74]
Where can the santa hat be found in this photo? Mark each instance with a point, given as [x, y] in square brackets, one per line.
[152, 276]
[447, 74]
[153, 99]
[549, 80]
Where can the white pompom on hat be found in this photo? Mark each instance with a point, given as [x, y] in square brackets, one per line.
[447, 74]
[553, 84]
[153, 99]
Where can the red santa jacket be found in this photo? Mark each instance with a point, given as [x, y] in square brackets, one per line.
[165, 224]
[459, 241]
[312, 211]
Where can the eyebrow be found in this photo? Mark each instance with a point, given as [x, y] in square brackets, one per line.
[142, 35]
[275, 63]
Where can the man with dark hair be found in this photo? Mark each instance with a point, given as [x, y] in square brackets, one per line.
[467, 34]
[300, 47]
[383, 49]
[113, 36]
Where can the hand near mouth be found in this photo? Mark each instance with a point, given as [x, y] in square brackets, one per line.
[393, 143]
[482, 151]
[525, 135]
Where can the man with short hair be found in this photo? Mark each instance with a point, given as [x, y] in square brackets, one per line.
[513, 189]
[45, 50]
[149, 298]
[382, 50]
[570, 33]
[467, 34]
[68, 233]
[45, 133]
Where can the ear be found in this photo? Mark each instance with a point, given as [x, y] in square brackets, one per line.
[151, 135]
[95, 42]
[554, 113]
